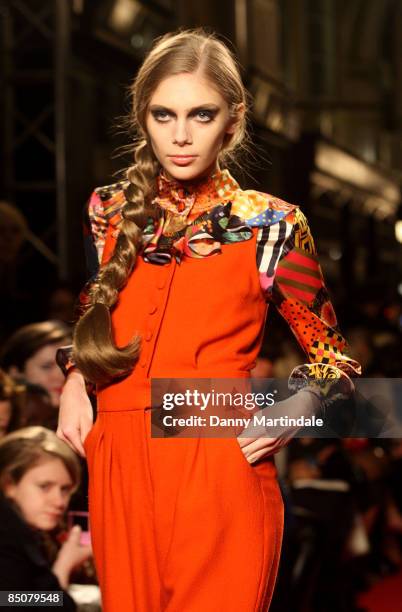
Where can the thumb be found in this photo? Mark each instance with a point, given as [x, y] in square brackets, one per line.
[75, 533]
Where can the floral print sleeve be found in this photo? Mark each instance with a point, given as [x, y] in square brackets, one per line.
[292, 280]
[95, 228]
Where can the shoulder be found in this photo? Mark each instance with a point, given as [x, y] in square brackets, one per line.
[16, 538]
[260, 209]
[106, 202]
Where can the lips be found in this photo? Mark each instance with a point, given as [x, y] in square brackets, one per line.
[182, 160]
[53, 517]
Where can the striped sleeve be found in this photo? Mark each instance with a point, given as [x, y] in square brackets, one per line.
[292, 279]
[271, 244]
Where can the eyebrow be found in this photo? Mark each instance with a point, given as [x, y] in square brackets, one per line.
[208, 106]
[54, 482]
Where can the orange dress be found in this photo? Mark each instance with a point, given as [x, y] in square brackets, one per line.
[187, 524]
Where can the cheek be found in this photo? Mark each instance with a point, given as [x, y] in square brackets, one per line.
[29, 502]
[35, 374]
[157, 135]
[212, 137]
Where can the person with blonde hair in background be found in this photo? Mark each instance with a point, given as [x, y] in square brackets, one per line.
[38, 474]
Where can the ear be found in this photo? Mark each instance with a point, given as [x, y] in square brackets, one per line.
[9, 488]
[235, 118]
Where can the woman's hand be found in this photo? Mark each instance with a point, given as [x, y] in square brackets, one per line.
[72, 554]
[76, 414]
[259, 443]
[260, 446]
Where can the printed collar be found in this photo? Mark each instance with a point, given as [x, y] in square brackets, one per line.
[191, 199]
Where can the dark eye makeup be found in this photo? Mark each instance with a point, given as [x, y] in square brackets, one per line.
[205, 114]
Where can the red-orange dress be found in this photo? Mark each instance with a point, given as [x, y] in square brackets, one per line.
[187, 524]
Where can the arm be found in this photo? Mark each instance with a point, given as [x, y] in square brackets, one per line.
[291, 279]
[19, 573]
[298, 291]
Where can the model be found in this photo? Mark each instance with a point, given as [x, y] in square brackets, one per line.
[184, 265]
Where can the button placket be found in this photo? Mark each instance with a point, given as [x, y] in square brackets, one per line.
[156, 312]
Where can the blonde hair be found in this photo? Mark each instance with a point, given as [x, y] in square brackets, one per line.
[186, 51]
[25, 448]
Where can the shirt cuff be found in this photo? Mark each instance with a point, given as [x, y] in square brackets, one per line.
[64, 359]
[330, 381]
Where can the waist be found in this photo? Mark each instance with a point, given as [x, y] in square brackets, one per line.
[134, 392]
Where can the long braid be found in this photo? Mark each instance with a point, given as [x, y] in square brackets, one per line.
[95, 351]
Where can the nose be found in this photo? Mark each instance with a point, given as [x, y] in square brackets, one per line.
[56, 375]
[59, 499]
[181, 133]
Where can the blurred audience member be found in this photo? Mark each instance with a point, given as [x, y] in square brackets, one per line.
[30, 355]
[38, 473]
[38, 409]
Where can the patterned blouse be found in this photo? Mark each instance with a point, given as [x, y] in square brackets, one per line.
[195, 220]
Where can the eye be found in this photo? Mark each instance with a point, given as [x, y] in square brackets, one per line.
[45, 486]
[161, 115]
[205, 116]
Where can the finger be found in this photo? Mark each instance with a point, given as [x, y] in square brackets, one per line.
[245, 441]
[74, 440]
[266, 452]
[258, 444]
[75, 533]
[65, 439]
[83, 437]
[80, 447]
[271, 446]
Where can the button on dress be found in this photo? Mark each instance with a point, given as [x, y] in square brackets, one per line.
[188, 524]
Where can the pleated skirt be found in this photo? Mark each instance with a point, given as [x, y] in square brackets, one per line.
[180, 524]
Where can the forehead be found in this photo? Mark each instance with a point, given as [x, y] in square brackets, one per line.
[183, 91]
[51, 468]
[47, 352]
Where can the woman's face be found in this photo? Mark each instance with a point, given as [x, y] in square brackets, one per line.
[42, 369]
[187, 120]
[5, 416]
[43, 494]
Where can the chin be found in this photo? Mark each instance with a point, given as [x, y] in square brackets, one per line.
[55, 400]
[46, 524]
[186, 173]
